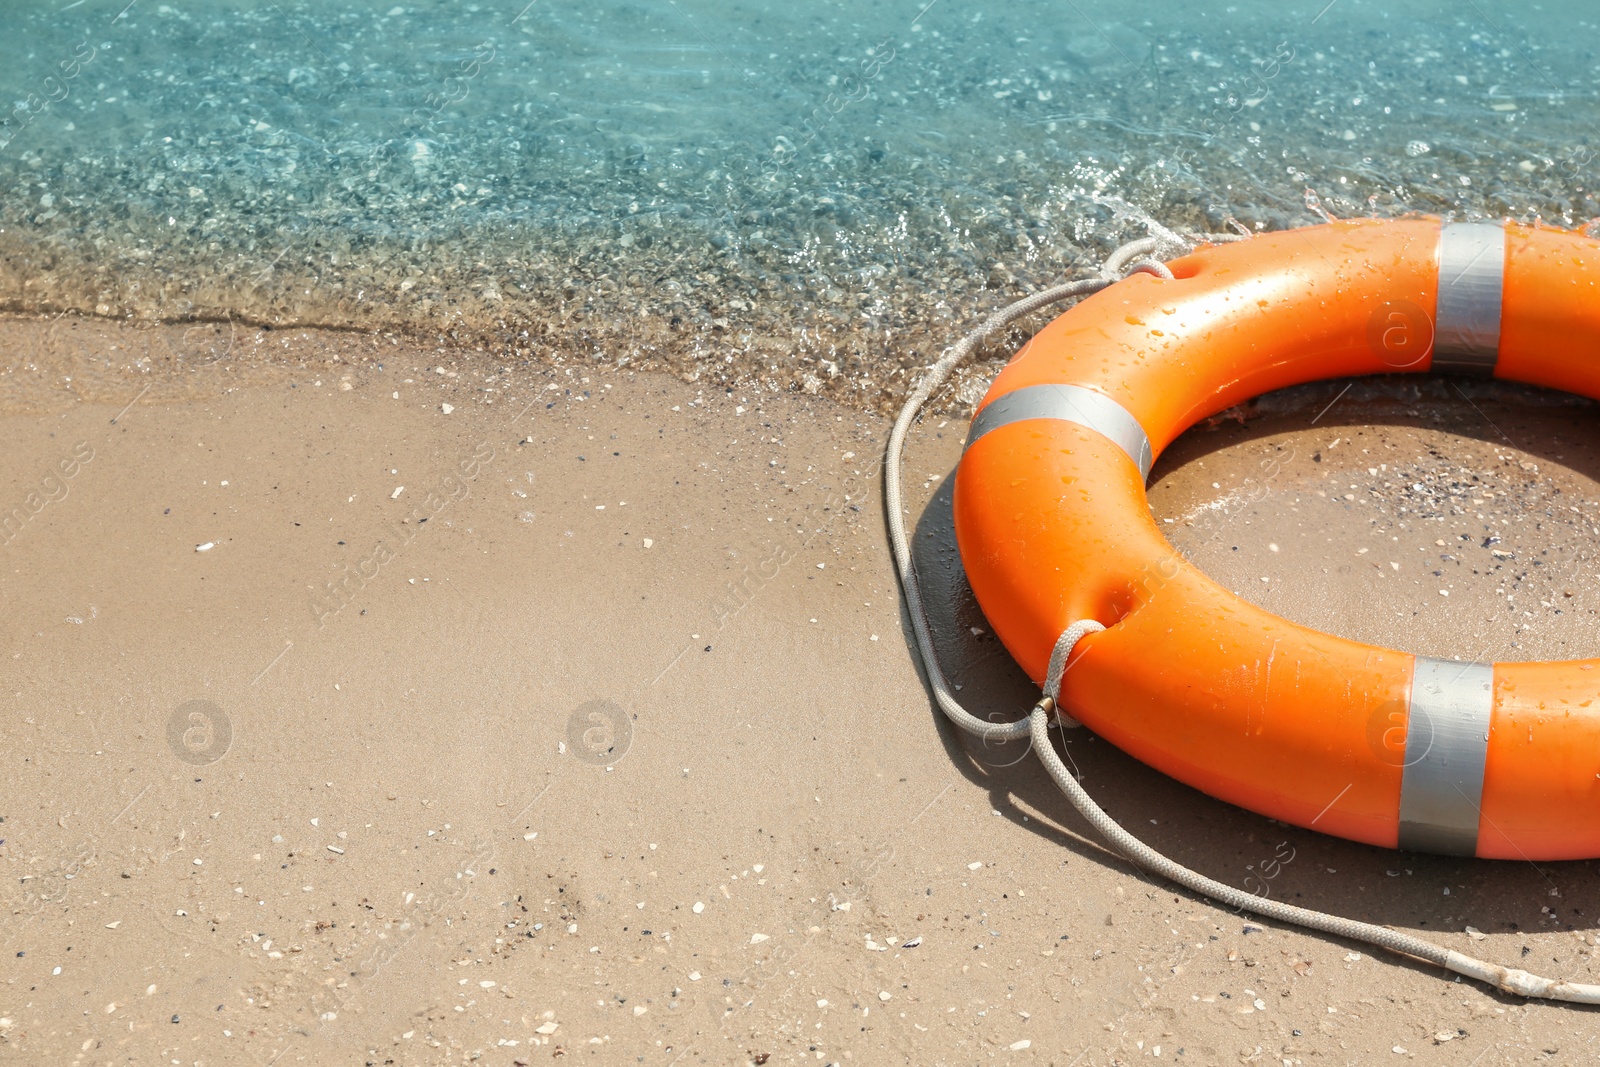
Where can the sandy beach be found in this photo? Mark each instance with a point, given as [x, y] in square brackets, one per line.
[371, 701]
[450, 615]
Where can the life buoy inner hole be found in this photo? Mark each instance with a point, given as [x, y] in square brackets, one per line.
[1442, 516]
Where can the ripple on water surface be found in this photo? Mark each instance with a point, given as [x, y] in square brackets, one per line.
[794, 196]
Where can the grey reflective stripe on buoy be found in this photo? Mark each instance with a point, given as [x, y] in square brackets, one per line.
[1472, 267]
[1447, 739]
[1069, 403]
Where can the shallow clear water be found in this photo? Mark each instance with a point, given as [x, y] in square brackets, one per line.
[809, 196]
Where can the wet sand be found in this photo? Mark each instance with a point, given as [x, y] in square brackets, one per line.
[546, 712]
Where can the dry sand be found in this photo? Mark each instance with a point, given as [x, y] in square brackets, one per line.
[622, 755]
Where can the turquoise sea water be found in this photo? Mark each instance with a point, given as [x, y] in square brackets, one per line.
[797, 196]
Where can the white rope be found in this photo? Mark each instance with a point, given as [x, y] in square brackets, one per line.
[1132, 257]
[1058, 665]
[1146, 265]
[935, 377]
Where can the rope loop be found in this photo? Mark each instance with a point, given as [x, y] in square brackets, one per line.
[1149, 266]
[1058, 666]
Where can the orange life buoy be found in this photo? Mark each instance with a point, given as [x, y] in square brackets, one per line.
[1499, 761]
